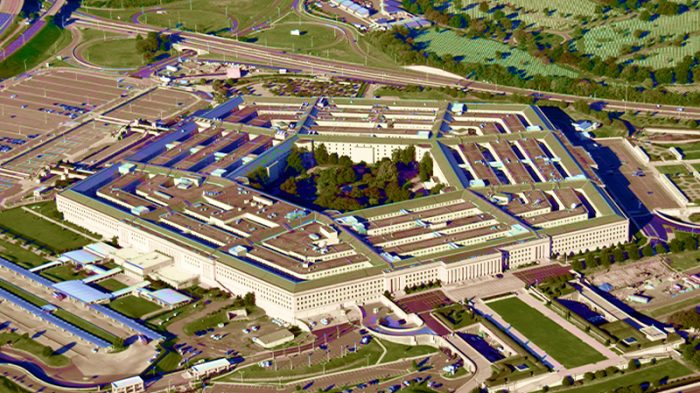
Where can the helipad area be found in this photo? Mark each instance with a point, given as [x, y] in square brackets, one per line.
[516, 192]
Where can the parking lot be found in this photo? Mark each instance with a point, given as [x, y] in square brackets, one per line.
[72, 145]
[42, 105]
[154, 105]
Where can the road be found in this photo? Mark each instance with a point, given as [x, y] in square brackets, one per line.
[279, 58]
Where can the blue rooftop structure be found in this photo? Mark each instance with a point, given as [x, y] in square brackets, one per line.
[81, 257]
[46, 316]
[26, 273]
[224, 109]
[81, 291]
[169, 297]
[127, 322]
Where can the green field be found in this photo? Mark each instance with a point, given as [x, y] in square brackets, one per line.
[24, 343]
[609, 39]
[113, 53]
[557, 14]
[198, 20]
[133, 306]
[208, 15]
[22, 293]
[667, 56]
[486, 51]
[398, 351]
[672, 169]
[318, 38]
[676, 306]
[560, 344]
[15, 253]
[206, 322]
[111, 285]
[685, 260]
[8, 386]
[65, 272]
[168, 362]
[648, 374]
[45, 43]
[40, 231]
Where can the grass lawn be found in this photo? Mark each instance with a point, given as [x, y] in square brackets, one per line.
[650, 374]
[685, 260]
[247, 13]
[198, 20]
[114, 53]
[50, 210]
[85, 325]
[563, 346]
[675, 306]
[63, 273]
[112, 285]
[31, 298]
[398, 351]
[168, 362]
[15, 253]
[7, 386]
[209, 321]
[133, 306]
[487, 51]
[45, 43]
[40, 231]
[366, 355]
[672, 169]
[43, 353]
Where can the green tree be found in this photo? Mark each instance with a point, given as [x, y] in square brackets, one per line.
[249, 299]
[567, 381]
[633, 364]
[591, 261]
[660, 248]
[295, 163]
[647, 251]
[632, 251]
[118, 343]
[321, 154]
[425, 168]
[396, 193]
[259, 176]
[289, 186]
[618, 255]
[605, 257]
[577, 265]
